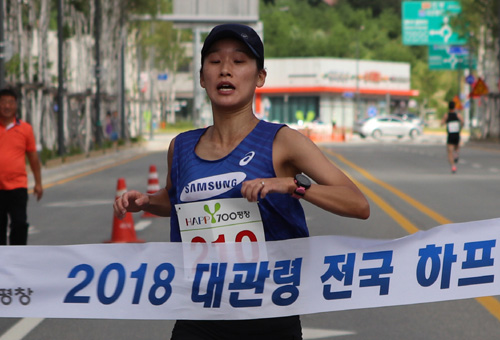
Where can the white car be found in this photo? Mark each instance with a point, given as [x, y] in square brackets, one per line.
[387, 126]
[411, 118]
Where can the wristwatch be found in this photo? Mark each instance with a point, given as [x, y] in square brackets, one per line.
[303, 183]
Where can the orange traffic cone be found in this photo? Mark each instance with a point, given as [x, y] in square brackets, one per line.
[153, 186]
[124, 229]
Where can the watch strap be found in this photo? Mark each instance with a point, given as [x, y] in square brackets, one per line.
[299, 192]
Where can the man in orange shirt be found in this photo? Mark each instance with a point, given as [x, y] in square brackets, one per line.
[16, 142]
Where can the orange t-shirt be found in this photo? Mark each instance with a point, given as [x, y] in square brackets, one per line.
[15, 140]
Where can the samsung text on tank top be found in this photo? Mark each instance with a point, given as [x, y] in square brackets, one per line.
[212, 186]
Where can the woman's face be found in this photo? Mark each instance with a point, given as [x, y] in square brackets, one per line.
[229, 75]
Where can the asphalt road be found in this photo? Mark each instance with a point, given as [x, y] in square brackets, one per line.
[401, 174]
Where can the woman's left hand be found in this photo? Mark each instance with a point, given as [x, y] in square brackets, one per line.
[251, 190]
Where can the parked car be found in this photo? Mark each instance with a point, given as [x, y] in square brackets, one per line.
[411, 117]
[387, 126]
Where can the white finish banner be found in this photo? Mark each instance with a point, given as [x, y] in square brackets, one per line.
[242, 280]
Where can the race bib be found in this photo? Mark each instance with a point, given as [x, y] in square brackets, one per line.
[454, 127]
[220, 220]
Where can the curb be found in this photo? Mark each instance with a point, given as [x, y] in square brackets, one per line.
[58, 170]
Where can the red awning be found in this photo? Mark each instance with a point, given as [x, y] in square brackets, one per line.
[330, 89]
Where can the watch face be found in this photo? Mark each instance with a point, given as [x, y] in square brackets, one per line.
[303, 181]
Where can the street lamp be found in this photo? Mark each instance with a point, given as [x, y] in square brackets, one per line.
[470, 115]
[60, 80]
[98, 74]
[358, 113]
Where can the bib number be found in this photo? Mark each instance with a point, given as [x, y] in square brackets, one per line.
[454, 127]
[219, 221]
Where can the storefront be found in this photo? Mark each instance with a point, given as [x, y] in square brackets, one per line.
[329, 90]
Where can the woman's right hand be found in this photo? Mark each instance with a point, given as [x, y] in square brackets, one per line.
[130, 201]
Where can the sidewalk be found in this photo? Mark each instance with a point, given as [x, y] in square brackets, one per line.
[484, 144]
[159, 143]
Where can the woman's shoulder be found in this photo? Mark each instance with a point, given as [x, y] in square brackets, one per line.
[190, 134]
[185, 140]
[264, 124]
[286, 132]
[292, 141]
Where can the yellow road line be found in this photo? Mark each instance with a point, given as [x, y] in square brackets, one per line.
[419, 206]
[490, 303]
[400, 219]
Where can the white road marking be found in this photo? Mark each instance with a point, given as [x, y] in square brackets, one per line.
[79, 204]
[32, 230]
[21, 329]
[317, 333]
[141, 225]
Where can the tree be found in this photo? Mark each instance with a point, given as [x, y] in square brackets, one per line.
[295, 28]
[377, 6]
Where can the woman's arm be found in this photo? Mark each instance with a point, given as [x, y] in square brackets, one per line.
[445, 118]
[332, 190]
[157, 203]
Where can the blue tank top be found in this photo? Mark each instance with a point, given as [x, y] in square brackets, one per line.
[196, 179]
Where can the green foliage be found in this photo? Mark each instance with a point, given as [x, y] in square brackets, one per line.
[296, 28]
[178, 127]
[74, 150]
[477, 13]
[136, 139]
[47, 154]
[79, 5]
[168, 49]
[370, 29]
[378, 7]
[12, 66]
[151, 7]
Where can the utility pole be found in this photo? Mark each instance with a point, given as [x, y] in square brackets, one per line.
[471, 99]
[357, 115]
[498, 32]
[60, 78]
[197, 94]
[123, 39]
[2, 46]
[358, 95]
[97, 32]
[139, 81]
[152, 52]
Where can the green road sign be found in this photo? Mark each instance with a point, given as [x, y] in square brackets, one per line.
[443, 57]
[428, 23]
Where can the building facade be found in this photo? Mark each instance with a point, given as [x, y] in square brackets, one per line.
[332, 91]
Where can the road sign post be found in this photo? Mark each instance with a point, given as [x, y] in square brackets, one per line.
[444, 57]
[428, 23]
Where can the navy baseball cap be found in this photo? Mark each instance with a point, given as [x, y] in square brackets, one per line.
[243, 33]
